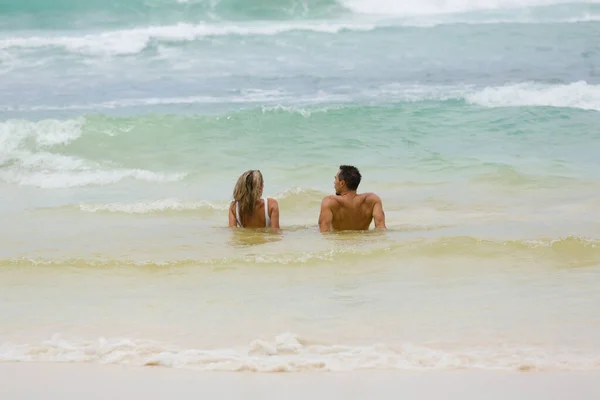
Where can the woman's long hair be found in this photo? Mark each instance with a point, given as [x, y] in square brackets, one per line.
[247, 192]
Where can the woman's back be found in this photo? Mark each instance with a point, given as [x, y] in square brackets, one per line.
[260, 218]
[248, 209]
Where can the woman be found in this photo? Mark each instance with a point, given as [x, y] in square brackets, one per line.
[248, 209]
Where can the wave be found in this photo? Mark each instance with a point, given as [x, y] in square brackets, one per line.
[290, 199]
[523, 18]
[276, 9]
[119, 40]
[244, 96]
[155, 206]
[432, 7]
[101, 150]
[26, 158]
[134, 41]
[143, 10]
[288, 352]
[575, 95]
[369, 247]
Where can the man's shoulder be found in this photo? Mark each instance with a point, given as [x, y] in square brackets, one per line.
[371, 198]
[329, 201]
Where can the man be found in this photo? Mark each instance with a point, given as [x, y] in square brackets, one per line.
[348, 210]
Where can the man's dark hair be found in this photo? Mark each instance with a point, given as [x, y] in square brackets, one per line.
[351, 175]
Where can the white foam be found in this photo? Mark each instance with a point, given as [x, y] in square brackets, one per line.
[289, 353]
[305, 112]
[579, 95]
[46, 133]
[575, 95]
[437, 20]
[173, 204]
[430, 7]
[299, 191]
[153, 206]
[263, 97]
[60, 180]
[26, 158]
[133, 41]
[8, 62]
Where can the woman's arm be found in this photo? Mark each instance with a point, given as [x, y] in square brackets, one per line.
[232, 220]
[274, 213]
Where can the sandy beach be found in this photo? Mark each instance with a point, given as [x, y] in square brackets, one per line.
[67, 381]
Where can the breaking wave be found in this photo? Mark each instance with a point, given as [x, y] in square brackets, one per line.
[290, 353]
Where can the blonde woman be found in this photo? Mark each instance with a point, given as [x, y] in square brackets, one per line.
[248, 209]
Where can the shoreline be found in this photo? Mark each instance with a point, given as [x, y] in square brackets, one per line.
[92, 381]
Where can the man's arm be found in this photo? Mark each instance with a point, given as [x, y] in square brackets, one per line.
[378, 214]
[326, 215]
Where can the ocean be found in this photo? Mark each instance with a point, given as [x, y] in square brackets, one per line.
[125, 124]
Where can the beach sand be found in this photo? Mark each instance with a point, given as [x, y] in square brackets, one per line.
[89, 381]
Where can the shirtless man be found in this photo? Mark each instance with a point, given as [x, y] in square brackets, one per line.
[348, 210]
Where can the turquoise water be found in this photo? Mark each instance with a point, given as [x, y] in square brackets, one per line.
[125, 124]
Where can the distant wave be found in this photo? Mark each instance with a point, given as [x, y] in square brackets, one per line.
[435, 20]
[277, 9]
[154, 206]
[195, 9]
[579, 95]
[288, 352]
[427, 7]
[253, 96]
[135, 40]
[288, 198]
[576, 95]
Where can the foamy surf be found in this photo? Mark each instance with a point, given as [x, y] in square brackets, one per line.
[133, 41]
[155, 206]
[300, 197]
[290, 353]
[429, 7]
[379, 15]
[575, 95]
[30, 155]
[579, 95]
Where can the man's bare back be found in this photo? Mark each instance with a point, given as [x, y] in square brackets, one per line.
[349, 210]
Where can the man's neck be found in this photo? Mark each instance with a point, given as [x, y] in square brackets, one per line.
[348, 193]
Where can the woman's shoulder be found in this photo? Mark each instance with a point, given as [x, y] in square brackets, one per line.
[272, 202]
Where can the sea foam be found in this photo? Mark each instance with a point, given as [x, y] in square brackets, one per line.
[27, 158]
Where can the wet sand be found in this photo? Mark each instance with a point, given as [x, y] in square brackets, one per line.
[89, 381]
